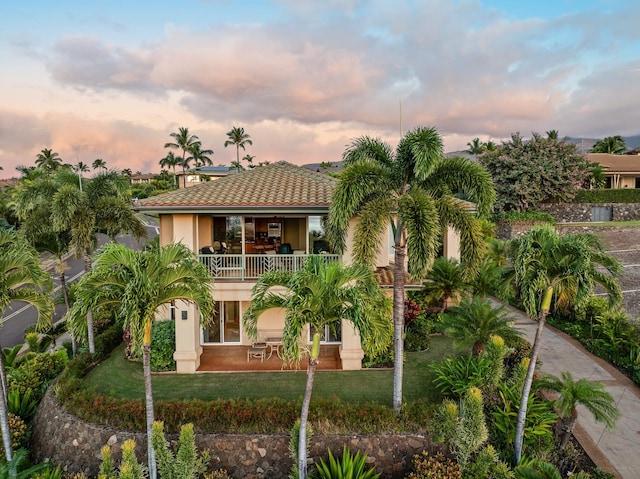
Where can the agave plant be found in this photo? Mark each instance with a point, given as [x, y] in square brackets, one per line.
[348, 467]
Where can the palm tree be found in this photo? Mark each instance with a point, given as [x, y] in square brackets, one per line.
[238, 137]
[614, 145]
[249, 159]
[413, 191]
[200, 157]
[320, 295]
[80, 168]
[183, 141]
[48, 160]
[476, 147]
[591, 394]
[556, 271]
[103, 207]
[127, 172]
[474, 321]
[490, 146]
[136, 284]
[21, 279]
[553, 134]
[171, 161]
[99, 163]
[445, 280]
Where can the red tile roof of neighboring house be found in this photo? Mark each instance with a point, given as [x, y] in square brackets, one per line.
[277, 186]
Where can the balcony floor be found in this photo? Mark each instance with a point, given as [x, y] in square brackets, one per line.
[234, 359]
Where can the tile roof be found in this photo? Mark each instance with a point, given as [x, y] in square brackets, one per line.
[616, 163]
[276, 186]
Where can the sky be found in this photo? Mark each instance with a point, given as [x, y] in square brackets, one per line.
[112, 79]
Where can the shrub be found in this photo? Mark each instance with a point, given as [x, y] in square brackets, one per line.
[532, 217]
[187, 462]
[19, 433]
[418, 334]
[426, 466]
[349, 467]
[454, 375]
[471, 431]
[622, 195]
[487, 464]
[163, 344]
[37, 372]
[23, 404]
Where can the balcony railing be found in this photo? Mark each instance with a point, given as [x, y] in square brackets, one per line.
[250, 266]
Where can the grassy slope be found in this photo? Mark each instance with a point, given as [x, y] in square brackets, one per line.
[118, 377]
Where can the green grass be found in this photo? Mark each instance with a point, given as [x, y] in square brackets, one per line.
[606, 224]
[119, 377]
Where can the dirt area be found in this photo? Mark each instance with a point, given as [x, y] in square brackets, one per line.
[624, 244]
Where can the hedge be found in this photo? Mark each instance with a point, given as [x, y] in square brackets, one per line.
[622, 195]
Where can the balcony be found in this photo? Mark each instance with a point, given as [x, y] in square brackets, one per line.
[251, 266]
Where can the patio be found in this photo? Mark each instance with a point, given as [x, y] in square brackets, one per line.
[234, 359]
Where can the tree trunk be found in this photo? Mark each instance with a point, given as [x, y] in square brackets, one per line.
[4, 413]
[148, 396]
[398, 325]
[304, 413]
[567, 428]
[526, 388]
[90, 338]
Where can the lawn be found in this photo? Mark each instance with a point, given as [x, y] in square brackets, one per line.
[119, 377]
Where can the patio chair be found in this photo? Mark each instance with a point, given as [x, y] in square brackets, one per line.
[257, 351]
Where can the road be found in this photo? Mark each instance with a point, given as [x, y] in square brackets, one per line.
[19, 315]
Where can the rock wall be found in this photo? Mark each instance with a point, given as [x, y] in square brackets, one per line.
[581, 212]
[75, 446]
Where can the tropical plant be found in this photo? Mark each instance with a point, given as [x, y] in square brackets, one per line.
[476, 147]
[475, 320]
[104, 206]
[136, 284]
[471, 431]
[412, 190]
[171, 161]
[590, 394]
[529, 172]
[349, 466]
[249, 159]
[455, 374]
[445, 281]
[21, 404]
[487, 464]
[186, 462]
[239, 138]
[434, 466]
[21, 279]
[320, 295]
[559, 271]
[184, 141]
[614, 145]
[544, 470]
[19, 468]
[99, 163]
[199, 156]
[48, 160]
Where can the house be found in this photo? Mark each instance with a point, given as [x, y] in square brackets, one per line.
[242, 225]
[622, 171]
[195, 176]
[142, 178]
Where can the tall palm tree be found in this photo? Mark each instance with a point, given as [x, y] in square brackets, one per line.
[317, 296]
[136, 284]
[171, 161]
[475, 320]
[48, 160]
[183, 141]
[21, 279]
[249, 159]
[200, 157]
[553, 271]
[81, 168]
[553, 134]
[412, 190]
[103, 207]
[99, 163]
[239, 138]
[591, 394]
[614, 145]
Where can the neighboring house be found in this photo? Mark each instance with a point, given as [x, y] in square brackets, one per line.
[622, 171]
[241, 225]
[142, 178]
[195, 176]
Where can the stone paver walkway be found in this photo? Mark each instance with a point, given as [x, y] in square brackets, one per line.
[618, 450]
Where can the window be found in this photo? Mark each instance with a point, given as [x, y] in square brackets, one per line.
[225, 327]
[328, 334]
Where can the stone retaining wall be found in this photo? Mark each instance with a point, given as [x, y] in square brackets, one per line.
[581, 212]
[75, 446]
